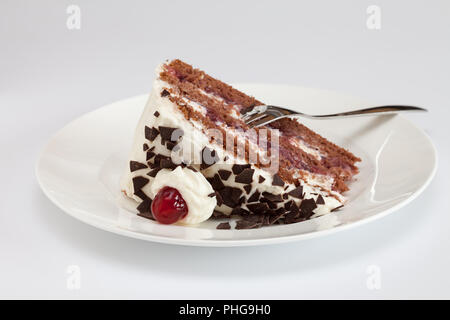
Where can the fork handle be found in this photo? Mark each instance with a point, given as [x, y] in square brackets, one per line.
[367, 111]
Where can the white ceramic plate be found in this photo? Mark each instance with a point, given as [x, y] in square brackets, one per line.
[79, 169]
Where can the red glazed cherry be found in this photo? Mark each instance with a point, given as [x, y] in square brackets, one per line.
[169, 206]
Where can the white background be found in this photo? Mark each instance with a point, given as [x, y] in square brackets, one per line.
[50, 75]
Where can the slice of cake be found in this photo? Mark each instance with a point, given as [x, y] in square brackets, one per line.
[194, 158]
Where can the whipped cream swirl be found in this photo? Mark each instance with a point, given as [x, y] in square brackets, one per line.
[193, 187]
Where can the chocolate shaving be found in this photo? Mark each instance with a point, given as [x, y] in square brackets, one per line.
[238, 211]
[215, 182]
[154, 172]
[320, 200]
[151, 134]
[224, 174]
[258, 208]
[337, 208]
[254, 197]
[134, 165]
[248, 188]
[213, 194]
[171, 145]
[230, 196]
[147, 215]
[150, 155]
[192, 168]
[275, 218]
[158, 159]
[218, 215]
[219, 199]
[165, 93]
[306, 208]
[246, 176]
[167, 163]
[249, 223]
[277, 181]
[297, 192]
[140, 194]
[139, 182]
[288, 204]
[156, 114]
[223, 226]
[272, 197]
[166, 133]
[261, 179]
[145, 147]
[238, 168]
[144, 206]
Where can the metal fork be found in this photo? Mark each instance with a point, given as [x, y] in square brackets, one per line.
[261, 115]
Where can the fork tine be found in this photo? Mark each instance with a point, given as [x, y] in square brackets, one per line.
[254, 117]
[266, 118]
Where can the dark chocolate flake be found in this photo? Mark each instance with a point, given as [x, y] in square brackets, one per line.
[213, 194]
[140, 194]
[219, 199]
[224, 174]
[246, 224]
[145, 147]
[144, 206]
[216, 183]
[150, 155]
[139, 182]
[297, 192]
[320, 200]
[147, 215]
[277, 181]
[272, 197]
[246, 176]
[154, 172]
[166, 133]
[337, 208]
[248, 188]
[158, 159]
[167, 163]
[238, 168]
[218, 215]
[258, 208]
[239, 211]
[134, 165]
[151, 133]
[261, 179]
[288, 204]
[223, 226]
[165, 93]
[156, 114]
[192, 168]
[230, 196]
[254, 197]
[171, 145]
[306, 208]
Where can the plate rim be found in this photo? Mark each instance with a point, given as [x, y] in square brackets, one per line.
[96, 222]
